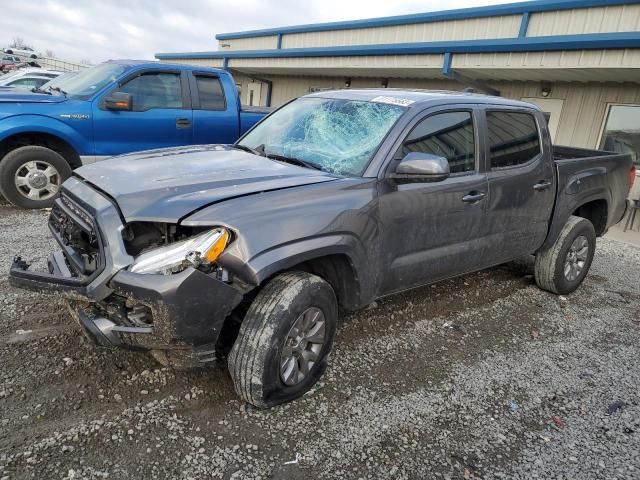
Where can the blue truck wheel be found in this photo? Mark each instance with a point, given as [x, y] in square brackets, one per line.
[30, 177]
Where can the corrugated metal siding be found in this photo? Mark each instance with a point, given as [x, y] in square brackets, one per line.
[204, 62]
[253, 43]
[623, 58]
[382, 61]
[618, 18]
[468, 29]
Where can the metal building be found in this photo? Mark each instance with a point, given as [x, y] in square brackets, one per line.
[577, 59]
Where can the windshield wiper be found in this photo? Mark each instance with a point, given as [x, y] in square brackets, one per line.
[58, 89]
[255, 151]
[295, 161]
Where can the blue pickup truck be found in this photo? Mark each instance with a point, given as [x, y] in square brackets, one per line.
[113, 108]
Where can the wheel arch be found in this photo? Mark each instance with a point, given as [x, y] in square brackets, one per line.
[54, 142]
[594, 208]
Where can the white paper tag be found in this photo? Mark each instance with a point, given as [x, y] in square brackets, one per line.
[403, 102]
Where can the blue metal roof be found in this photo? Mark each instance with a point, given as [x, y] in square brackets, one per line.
[520, 44]
[462, 13]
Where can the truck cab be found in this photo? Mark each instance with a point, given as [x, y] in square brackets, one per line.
[114, 108]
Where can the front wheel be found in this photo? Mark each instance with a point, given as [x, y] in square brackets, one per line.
[284, 340]
[30, 177]
[562, 268]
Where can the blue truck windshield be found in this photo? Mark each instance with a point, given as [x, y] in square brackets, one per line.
[339, 136]
[87, 82]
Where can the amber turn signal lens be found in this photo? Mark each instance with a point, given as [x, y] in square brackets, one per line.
[214, 252]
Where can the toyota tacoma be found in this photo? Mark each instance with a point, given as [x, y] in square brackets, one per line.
[248, 252]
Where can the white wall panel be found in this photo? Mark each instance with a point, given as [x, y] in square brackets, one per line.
[467, 29]
[617, 18]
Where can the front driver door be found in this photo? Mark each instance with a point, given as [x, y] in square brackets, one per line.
[433, 230]
[161, 115]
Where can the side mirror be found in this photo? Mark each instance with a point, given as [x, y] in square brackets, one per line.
[425, 166]
[118, 101]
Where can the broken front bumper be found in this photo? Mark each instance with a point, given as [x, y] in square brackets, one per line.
[184, 311]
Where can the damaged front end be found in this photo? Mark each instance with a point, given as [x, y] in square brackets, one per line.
[142, 286]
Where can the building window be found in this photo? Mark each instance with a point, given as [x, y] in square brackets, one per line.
[448, 135]
[513, 138]
[622, 131]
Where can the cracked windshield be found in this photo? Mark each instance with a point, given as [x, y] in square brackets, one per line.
[334, 135]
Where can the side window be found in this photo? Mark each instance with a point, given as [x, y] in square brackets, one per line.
[513, 138]
[154, 90]
[210, 93]
[448, 135]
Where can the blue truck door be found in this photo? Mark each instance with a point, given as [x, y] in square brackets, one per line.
[215, 114]
[161, 114]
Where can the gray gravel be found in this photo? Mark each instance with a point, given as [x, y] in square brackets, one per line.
[483, 376]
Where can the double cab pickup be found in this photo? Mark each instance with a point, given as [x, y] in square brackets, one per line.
[248, 252]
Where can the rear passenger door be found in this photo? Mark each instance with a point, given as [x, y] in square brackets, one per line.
[521, 181]
[214, 119]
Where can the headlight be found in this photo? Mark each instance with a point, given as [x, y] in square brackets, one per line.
[193, 252]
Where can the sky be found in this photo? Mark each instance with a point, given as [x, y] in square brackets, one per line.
[98, 30]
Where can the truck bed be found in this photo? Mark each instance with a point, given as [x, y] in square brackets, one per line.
[582, 174]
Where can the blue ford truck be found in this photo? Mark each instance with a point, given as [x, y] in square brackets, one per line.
[113, 108]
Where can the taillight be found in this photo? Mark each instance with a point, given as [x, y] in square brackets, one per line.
[632, 175]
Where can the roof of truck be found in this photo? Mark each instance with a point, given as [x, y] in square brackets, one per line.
[415, 97]
[152, 64]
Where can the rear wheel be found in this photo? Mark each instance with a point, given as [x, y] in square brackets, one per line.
[30, 177]
[284, 340]
[562, 268]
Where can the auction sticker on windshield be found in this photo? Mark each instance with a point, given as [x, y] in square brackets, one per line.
[403, 102]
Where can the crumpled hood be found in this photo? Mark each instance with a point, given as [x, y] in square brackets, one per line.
[168, 184]
[18, 95]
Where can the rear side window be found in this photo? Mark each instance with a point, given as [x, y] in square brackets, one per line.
[513, 138]
[448, 135]
[210, 93]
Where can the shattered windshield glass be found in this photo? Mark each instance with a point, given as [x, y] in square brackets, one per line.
[335, 135]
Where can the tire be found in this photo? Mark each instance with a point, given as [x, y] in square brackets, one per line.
[10, 52]
[257, 356]
[22, 171]
[551, 265]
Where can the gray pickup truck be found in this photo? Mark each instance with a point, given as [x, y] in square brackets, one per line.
[249, 251]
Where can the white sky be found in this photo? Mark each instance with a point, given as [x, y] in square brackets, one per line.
[99, 30]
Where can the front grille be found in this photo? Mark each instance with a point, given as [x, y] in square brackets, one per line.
[75, 230]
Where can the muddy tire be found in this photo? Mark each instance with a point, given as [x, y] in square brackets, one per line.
[562, 268]
[30, 177]
[284, 340]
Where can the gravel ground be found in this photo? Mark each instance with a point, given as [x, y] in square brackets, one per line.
[484, 376]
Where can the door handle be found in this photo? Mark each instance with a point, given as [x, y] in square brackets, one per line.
[473, 197]
[542, 185]
[183, 123]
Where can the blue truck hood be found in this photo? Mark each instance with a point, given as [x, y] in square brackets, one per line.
[16, 95]
[168, 184]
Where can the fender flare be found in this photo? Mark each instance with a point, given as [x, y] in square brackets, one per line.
[19, 124]
[268, 263]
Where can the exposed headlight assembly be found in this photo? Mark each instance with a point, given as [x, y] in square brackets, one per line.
[202, 249]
